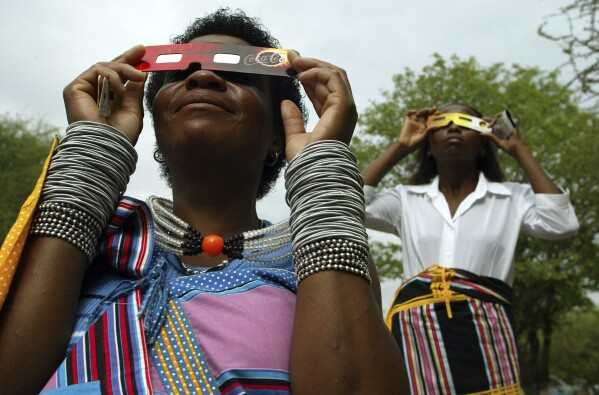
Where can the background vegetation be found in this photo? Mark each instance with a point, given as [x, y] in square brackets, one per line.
[552, 278]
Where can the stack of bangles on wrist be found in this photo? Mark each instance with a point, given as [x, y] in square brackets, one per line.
[324, 191]
[88, 174]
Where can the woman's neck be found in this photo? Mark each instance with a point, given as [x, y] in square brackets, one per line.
[222, 214]
[454, 178]
[224, 210]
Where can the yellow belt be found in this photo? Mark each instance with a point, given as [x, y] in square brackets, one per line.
[441, 292]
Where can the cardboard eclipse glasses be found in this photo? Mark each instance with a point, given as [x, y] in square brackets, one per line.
[209, 56]
[212, 56]
[464, 120]
[503, 127]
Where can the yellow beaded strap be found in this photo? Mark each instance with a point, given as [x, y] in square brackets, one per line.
[440, 292]
[512, 389]
[441, 286]
[15, 240]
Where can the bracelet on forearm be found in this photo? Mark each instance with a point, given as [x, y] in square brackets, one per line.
[332, 254]
[324, 191]
[65, 222]
[88, 174]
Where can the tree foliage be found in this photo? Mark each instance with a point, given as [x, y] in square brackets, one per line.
[580, 43]
[24, 145]
[576, 349]
[552, 278]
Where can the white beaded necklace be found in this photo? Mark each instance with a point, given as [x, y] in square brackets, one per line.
[177, 236]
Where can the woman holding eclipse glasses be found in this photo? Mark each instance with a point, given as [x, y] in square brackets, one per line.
[459, 223]
[199, 295]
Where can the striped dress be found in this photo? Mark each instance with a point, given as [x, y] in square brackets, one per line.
[144, 327]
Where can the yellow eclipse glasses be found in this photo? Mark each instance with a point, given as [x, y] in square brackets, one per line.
[464, 120]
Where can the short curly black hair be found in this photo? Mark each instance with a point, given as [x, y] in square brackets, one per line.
[237, 24]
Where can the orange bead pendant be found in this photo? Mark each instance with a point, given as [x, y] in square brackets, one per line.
[213, 245]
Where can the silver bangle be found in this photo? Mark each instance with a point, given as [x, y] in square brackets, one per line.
[88, 175]
[62, 220]
[324, 191]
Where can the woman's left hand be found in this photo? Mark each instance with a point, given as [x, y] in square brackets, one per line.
[512, 144]
[329, 90]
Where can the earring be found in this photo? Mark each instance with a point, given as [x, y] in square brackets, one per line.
[158, 156]
[273, 160]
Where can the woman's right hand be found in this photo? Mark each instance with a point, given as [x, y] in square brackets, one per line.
[414, 130]
[125, 80]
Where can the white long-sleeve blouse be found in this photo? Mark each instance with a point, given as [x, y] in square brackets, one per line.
[481, 237]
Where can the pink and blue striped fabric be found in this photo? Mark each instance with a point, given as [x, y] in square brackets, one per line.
[144, 327]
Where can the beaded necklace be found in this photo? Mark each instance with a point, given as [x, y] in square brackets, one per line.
[177, 236]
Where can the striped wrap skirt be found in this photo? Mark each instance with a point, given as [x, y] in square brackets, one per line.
[455, 330]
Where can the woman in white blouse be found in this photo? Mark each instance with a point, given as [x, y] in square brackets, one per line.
[459, 224]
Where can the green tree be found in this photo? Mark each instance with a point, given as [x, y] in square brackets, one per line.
[576, 351]
[552, 277]
[579, 42]
[24, 145]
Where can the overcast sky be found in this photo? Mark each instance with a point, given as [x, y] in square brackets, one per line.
[46, 44]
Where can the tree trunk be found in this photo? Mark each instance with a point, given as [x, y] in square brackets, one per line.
[543, 382]
[534, 344]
